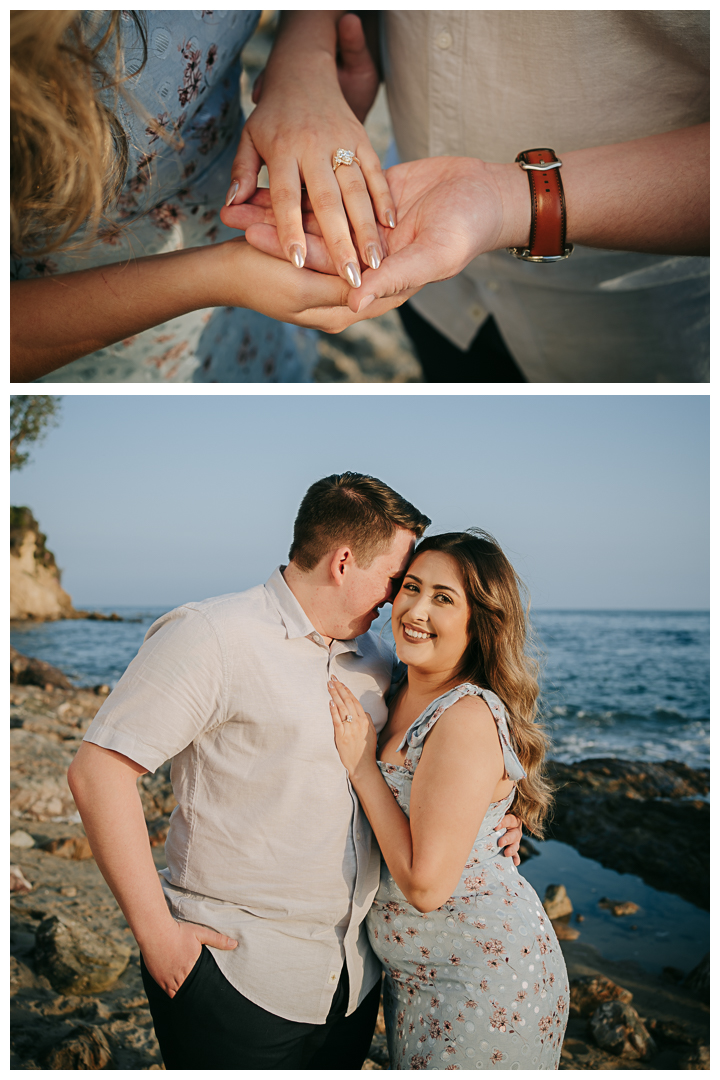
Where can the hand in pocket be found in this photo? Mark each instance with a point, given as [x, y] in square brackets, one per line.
[171, 958]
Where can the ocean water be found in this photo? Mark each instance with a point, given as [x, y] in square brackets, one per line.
[628, 684]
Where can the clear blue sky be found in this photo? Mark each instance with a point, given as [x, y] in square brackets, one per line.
[599, 501]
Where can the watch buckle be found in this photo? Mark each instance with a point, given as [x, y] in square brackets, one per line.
[524, 253]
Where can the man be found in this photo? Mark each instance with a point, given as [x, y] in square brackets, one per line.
[253, 945]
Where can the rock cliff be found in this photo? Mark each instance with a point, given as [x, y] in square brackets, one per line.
[35, 590]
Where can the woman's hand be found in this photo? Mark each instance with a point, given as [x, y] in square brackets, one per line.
[60, 318]
[355, 735]
[302, 119]
[252, 279]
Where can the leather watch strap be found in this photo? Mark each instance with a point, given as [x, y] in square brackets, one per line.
[549, 223]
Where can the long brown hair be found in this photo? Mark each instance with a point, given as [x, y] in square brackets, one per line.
[500, 656]
[69, 151]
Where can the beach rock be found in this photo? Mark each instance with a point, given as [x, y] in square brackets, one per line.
[619, 907]
[21, 976]
[673, 974]
[21, 839]
[557, 902]
[699, 1058]
[27, 671]
[158, 831]
[38, 782]
[69, 847]
[18, 881]
[156, 793]
[699, 978]
[75, 959]
[564, 931]
[617, 1028]
[527, 850]
[638, 818]
[590, 991]
[669, 1033]
[84, 1048]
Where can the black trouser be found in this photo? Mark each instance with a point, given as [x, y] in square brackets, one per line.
[486, 360]
[210, 1025]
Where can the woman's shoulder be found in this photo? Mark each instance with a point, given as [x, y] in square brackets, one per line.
[461, 700]
[472, 696]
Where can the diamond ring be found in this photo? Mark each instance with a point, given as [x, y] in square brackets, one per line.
[348, 719]
[344, 157]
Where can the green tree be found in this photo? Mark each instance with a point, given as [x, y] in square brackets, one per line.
[31, 417]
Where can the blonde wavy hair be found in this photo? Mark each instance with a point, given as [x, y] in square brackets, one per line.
[69, 151]
[500, 656]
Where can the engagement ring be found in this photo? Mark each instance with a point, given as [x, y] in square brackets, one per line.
[344, 157]
[347, 719]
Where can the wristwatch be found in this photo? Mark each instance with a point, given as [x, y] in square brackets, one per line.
[547, 231]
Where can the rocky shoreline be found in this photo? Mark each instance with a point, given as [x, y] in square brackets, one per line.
[76, 994]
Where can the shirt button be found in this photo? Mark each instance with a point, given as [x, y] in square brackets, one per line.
[477, 312]
[444, 39]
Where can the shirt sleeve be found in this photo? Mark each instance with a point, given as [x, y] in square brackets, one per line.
[172, 692]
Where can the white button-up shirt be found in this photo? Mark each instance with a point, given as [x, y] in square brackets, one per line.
[268, 843]
[488, 84]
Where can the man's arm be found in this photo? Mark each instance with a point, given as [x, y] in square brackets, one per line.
[452, 209]
[104, 786]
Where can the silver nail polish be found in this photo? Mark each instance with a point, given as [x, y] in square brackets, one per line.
[373, 256]
[352, 273]
[232, 192]
[390, 218]
[297, 256]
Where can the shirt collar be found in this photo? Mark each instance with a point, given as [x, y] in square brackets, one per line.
[295, 621]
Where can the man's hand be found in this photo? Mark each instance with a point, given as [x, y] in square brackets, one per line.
[449, 211]
[358, 77]
[356, 71]
[171, 958]
[509, 842]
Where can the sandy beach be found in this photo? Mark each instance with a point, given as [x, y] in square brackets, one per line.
[77, 997]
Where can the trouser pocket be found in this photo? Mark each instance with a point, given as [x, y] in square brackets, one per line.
[186, 983]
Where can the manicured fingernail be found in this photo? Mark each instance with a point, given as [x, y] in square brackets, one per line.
[390, 218]
[352, 273]
[232, 192]
[297, 255]
[365, 302]
[373, 256]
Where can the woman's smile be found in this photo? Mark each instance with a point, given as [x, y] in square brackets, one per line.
[414, 634]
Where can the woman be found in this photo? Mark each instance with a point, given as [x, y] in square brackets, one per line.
[124, 127]
[474, 975]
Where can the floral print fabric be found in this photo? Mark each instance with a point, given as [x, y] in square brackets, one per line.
[188, 89]
[481, 982]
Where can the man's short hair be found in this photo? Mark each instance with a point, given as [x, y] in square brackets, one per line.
[351, 509]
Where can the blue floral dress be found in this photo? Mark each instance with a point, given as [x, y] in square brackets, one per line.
[481, 982]
[171, 200]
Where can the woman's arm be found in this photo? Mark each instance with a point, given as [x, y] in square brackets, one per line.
[454, 783]
[57, 319]
[301, 120]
